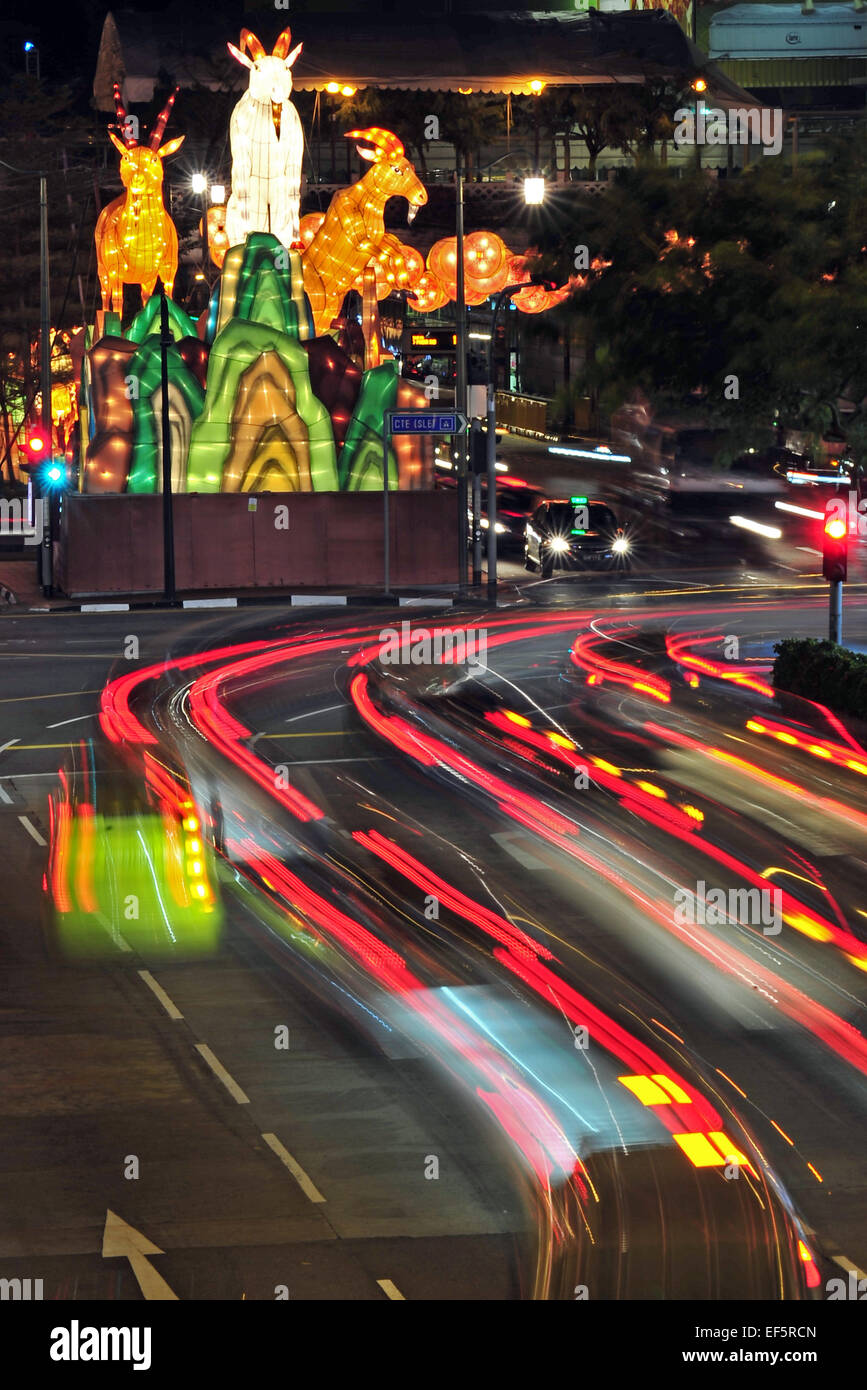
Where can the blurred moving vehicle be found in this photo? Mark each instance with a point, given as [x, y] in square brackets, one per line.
[128, 863]
[574, 533]
[516, 503]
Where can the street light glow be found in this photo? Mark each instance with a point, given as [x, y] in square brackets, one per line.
[198, 183]
[218, 193]
[534, 190]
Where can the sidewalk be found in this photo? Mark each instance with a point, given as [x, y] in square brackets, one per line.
[19, 577]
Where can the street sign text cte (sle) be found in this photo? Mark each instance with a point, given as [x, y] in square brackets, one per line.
[427, 422]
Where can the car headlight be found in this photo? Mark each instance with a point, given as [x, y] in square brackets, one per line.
[620, 546]
[558, 544]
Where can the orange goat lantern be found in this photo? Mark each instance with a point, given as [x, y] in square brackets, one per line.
[352, 233]
[136, 240]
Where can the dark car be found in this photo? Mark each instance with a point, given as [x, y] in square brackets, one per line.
[574, 533]
[516, 503]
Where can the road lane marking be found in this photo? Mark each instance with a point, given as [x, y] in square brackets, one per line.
[76, 720]
[505, 839]
[171, 1009]
[391, 1290]
[122, 1241]
[4, 746]
[311, 733]
[220, 1071]
[4, 796]
[32, 747]
[55, 695]
[308, 1187]
[31, 830]
[848, 1266]
[309, 714]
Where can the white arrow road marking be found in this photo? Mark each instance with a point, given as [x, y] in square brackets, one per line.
[120, 1240]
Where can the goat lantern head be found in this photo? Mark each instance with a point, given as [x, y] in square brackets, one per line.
[141, 169]
[392, 175]
[270, 74]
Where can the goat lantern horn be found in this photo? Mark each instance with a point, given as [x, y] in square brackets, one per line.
[162, 122]
[252, 44]
[250, 41]
[385, 144]
[281, 47]
[125, 134]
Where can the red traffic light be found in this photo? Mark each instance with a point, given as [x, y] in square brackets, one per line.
[37, 446]
[835, 548]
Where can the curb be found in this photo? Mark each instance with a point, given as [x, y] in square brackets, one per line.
[303, 600]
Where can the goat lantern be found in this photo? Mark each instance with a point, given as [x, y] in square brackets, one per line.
[267, 145]
[136, 240]
[352, 234]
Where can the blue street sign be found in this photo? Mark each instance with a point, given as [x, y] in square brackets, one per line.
[428, 422]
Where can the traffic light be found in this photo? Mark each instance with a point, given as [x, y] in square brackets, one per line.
[478, 451]
[37, 446]
[54, 475]
[835, 548]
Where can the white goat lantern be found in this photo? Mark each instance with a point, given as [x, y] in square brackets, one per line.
[267, 145]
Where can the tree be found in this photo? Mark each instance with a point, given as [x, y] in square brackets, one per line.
[39, 132]
[744, 300]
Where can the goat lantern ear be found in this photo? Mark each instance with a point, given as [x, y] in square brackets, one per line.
[242, 57]
[118, 144]
[165, 150]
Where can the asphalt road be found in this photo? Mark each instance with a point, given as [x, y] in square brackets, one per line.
[398, 1162]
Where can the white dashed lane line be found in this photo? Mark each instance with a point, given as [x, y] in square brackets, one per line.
[31, 830]
[220, 1072]
[171, 1008]
[308, 1187]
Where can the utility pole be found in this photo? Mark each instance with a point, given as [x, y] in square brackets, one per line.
[461, 377]
[168, 515]
[46, 554]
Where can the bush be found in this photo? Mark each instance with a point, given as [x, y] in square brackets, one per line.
[822, 671]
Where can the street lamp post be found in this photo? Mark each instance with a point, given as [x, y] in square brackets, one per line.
[491, 442]
[28, 49]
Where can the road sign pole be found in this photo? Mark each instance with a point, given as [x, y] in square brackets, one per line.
[477, 506]
[461, 375]
[835, 611]
[386, 535]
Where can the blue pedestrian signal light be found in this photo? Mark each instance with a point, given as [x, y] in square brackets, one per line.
[53, 475]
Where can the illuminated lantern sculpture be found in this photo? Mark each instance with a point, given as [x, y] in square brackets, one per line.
[136, 240]
[267, 145]
[218, 239]
[353, 232]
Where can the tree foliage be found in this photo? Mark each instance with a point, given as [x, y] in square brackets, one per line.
[744, 299]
